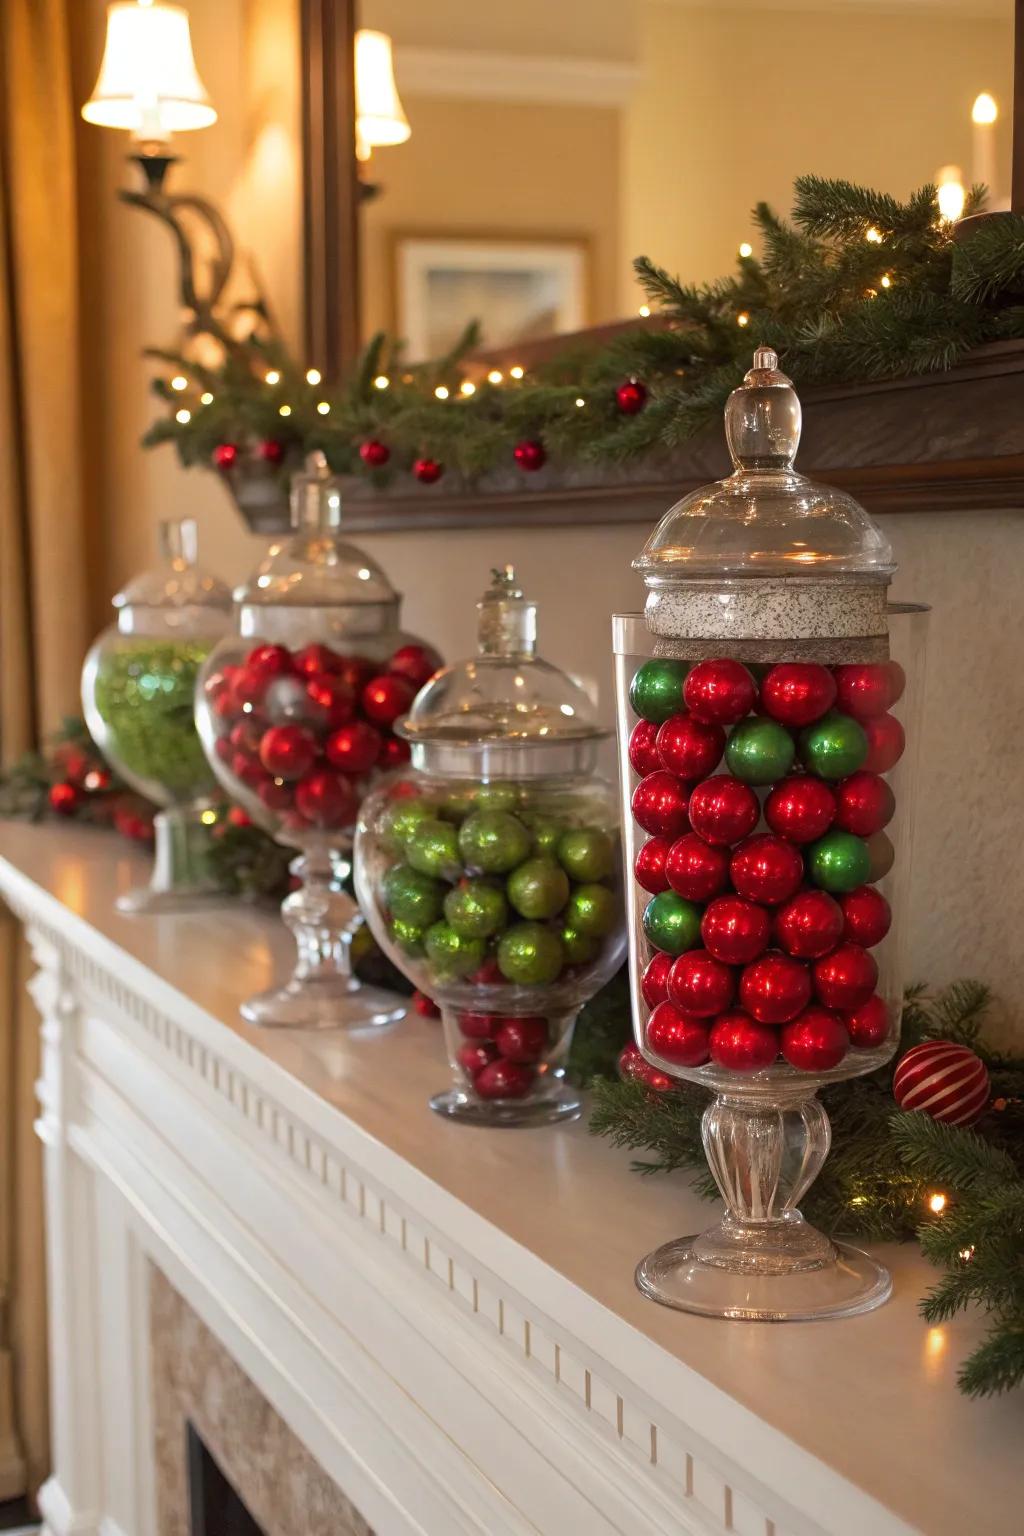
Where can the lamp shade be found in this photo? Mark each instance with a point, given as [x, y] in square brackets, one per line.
[380, 117]
[148, 82]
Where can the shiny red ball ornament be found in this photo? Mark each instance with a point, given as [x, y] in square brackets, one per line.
[247, 769]
[394, 752]
[815, 1042]
[678, 1037]
[740, 1044]
[522, 1039]
[644, 756]
[766, 869]
[425, 1006]
[659, 804]
[530, 454]
[690, 748]
[225, 455]
[775, 988]
[287, 751]
[332, 702]
[845, 978]
[722, 810]
[357, 671]
[864, 803]
[735, 931]
[239, 818]
[719, 692]
[800, 809]
[631, 397]
[314, 659]
[654, 981]
[374, 453]
[504, 1080]
[416, 663]
[271, 451]
[276, 796]
[387, 698]
[868, 1025]
[944, 1080]
[479, 1026]
[355, 748]
[474, 1055]
[796, 693]
[695, 869]
[865, 690]
[897, 682]
[63, 798]
[326, 799]
[649, 867]
[810, 925]
[867, 916]
[699, 984]
[427, 471]
[881, 856]
[886, 741]
[269, 661]
[632, 1068]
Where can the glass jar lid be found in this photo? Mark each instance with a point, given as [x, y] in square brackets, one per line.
[178, 582]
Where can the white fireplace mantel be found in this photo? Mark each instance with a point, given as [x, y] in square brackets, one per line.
[445, 1317]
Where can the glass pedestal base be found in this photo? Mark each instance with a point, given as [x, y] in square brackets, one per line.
[509, 1113]
[181, 880]
[323, 1003]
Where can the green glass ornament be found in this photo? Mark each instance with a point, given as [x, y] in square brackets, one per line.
[547, 833]
[539, 888]
[494, 841]
[497, 797]
[657, 689]
[586, 854]
[592, 909]
[759, 751]
[412, 896]
[838, 861]
[476, 908]
[407, 936]
[402, 818]
[451, 954]
[833, 746]
[580, 948]
[671, 923]
[530, 954]
[433, 849]
[460, 803]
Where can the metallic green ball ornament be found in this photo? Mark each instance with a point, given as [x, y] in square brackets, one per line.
[494, 842]
[833, 746]
[547, 833]
[580, 948]
[451, 954]
[476, 908]
[759, 751]
[407, 936]
[433, 849]
[412, 896]
[657, 689]
[539, 888]
[671, 923]
[496, 797]
[592, 910]
[586, 854]
[402, 818]
[530, 954]
[458, 805]
[838, 862]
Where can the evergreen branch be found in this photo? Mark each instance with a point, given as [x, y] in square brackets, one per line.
[948, 1154]
[997, 1365]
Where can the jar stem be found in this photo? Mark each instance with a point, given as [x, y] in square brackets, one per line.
[322, 917]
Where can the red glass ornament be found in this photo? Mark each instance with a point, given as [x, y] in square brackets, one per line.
[644, 756]
[473, 1056]
[355, 748]
[766, 869]
[523, 1039]
[374, 454]
[815, 1042]
[735, 931]
[722, 810]
[864, 803]
[690, 748]
[386, 698]
[798, 692]
[632, 1068]
[504, 1080]
[631, 397]
[488, 974]
[479, 1026]
[223, 748]
[867, 916]
[75, 764]
[271, 451]
[225, 455]
[868, 1025]
[740, 1044]
[881, 856]
[326, 799]
[357, 671]
[775, 988]
[886, 741]
[677, 1036]
[801, 808]
[276, 795]
[313, 659]
[659, 804]
[64, 799]
[944, 1080]
[416, 663]
[239, 818]
[865, 690]
[530, 454]
[700, 984]
[269, 661]
[287, 751]
[333, 702]
[654, 981]
[809, 925]
[719, 692]
[897, 682]
[649, 868]
[425, 1006]
[247, 769]
[845, 978]
[246, 734]
[427, 471]
[695, 869]
[394, 752]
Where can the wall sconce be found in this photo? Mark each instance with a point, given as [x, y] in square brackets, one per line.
[380, 116]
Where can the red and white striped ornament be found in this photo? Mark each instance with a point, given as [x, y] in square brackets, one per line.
[944, 1080]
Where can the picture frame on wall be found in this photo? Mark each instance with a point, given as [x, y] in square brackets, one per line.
[518, 289]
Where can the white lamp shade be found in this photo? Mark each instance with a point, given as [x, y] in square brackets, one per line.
[380, 117]
[148, 81]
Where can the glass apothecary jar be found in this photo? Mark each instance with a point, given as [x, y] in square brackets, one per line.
[767, 704]
[138, 684]
[296, 712]
[490, 872]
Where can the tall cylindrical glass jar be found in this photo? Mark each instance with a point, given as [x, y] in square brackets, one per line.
[490, 872]
[138, 683]
[767, 704]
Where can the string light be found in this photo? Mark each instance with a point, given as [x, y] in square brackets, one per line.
[272, 377]
[441, 392]
[580, 401]
[406, 379]
[179, 381]
[495, 376]
[208, 817]
[871, 293]
[984, 109]
[516, 372]
[381, 381]
[966, 1254]
[323, 408]
[184, 417]
[467, 387]
[746, 249]
[742, 318]
[206, 398]
[886, 280]
[644, 311]
[951, 197]
[937, 1203]
[284, 410]
[872, 235]
[313, 375]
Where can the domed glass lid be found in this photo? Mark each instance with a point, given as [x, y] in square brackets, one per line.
[314, 566]
[178, 582]
[765, 519]
[506, 693]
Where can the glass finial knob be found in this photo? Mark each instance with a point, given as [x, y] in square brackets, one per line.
[763, 416]
[508, 621]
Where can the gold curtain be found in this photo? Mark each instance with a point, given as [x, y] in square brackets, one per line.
[43, 615]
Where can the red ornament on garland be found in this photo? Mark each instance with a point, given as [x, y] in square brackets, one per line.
[864, 803]
[271, 451]
[355, 748]
[374, 453]
[801, 808]
[689, 748]
[775, 988]
[719, 692]
[425, 1006]
[695, 869]
[797, 693]
[886, 741]
[867, 916]
[427, 471]
[679, 1037]
[766, 869]
[815, 1042]
[64, 798]
[225, 455]
[287, 751]
[386, 698]
[530, 454]
[868, 1025]
[740, 1044]
[416, 663]
[649, 868]
[654, 981]
[846, 978]
[810, 925]
[722, 810]
[944, 1080]
[631, 397]
[644, 756]
[659, 804]
[699, 984]
[735, 931]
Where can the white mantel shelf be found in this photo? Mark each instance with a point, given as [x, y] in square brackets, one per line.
[446, 1317]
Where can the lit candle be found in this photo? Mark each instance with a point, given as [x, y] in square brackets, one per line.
[983, 117]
